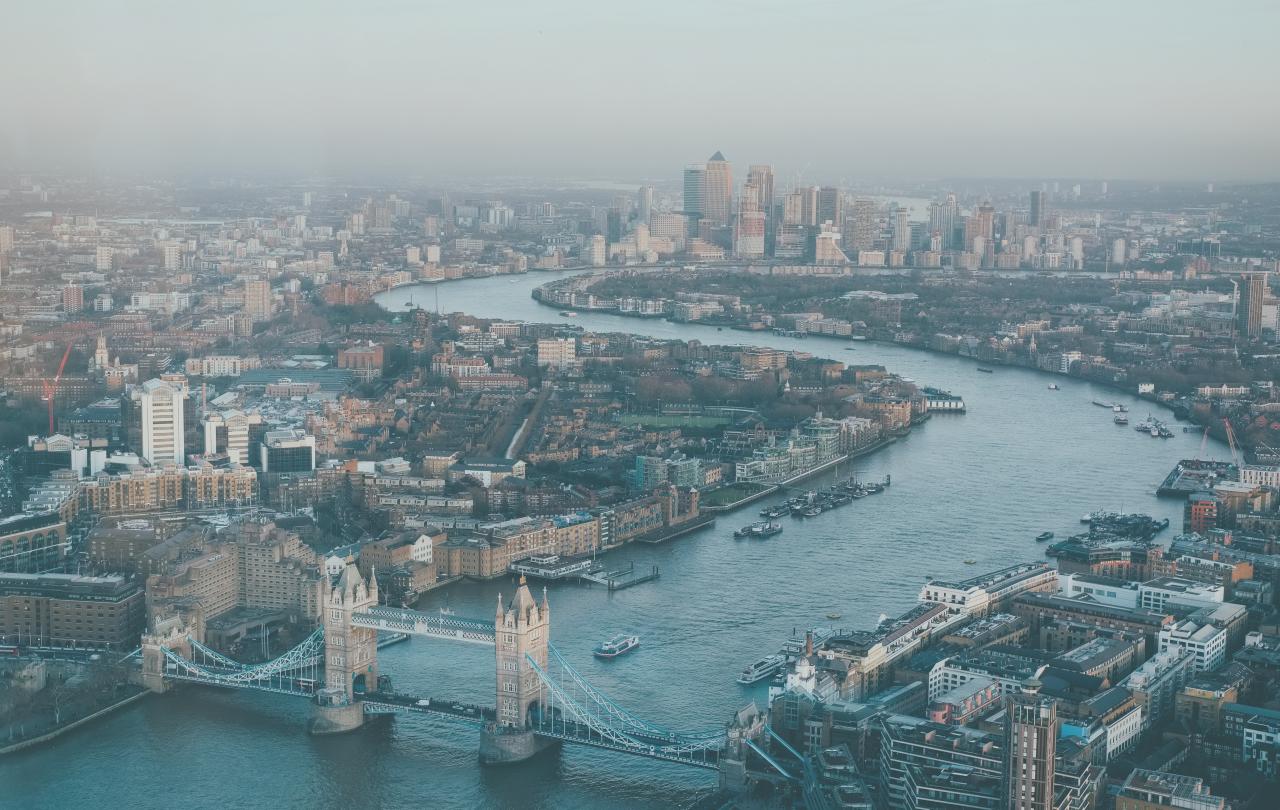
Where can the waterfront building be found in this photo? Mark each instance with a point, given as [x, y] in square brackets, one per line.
[867, 658]
[64, 610]
[488, 550]
[987, 593]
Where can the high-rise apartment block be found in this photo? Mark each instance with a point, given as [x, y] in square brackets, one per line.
[160, 405]
[1031, 737]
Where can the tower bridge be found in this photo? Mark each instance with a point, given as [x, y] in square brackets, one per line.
[540, 699]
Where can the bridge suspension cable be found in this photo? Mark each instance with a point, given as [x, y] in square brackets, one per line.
[576, 715]
[609, 706]
[295, 672]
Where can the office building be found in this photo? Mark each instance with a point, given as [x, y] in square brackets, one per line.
[1035, 218]
[644, 204]
[760, 177]
[1206, 643]
[227, 432]
[830, 206]
[161, 405]
[288, 451]
[717, 192]
[695, 182]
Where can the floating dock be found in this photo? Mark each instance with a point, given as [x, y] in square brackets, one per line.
[554, 567]
[621, 578]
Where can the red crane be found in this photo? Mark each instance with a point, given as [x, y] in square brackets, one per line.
[51, 386]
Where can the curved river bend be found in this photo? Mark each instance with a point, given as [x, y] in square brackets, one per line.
[1024, 459]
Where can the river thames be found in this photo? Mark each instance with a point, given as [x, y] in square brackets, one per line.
[978, 486]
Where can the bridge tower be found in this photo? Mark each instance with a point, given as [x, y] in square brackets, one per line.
[171, 633]
[350, 654]
[521, 631]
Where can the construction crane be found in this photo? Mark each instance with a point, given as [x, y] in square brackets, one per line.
[1204, 442]
[51, 386]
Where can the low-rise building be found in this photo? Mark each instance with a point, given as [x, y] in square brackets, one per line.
[65, 610]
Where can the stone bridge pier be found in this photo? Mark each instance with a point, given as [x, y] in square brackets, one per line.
[350, 655]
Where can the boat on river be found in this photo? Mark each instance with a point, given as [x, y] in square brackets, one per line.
[616, 646]
[985, 370]
[1044, 537]
[761, 669]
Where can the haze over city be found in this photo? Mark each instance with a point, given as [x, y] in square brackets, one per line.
[713, 406]
[827, 90]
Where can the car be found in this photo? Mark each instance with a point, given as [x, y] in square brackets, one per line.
[423, 702]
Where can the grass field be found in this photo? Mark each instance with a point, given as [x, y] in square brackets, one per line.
[661, 420]
[730, 493]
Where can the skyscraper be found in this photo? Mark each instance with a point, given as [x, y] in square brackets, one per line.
[808, 205]
[942, 220]
[695, 185]
[644, 204]
[831, 206]
[901, 230]
[761, 177]
[1253, 287]
[1036, 217]
[160, 405]
[718, 190]
[749, 243]
[1031, 738]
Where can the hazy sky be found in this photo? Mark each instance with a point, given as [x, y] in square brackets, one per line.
[842, 89]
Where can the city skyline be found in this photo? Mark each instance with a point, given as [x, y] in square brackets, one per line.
[994, 90]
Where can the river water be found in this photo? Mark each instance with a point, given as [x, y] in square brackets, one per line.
[980, 486]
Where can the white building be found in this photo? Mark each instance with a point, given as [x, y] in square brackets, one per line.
[160, 403]
[1157, 682]
[1206, 643]
[1103, 590]
[1260, 475]
[1154, 594]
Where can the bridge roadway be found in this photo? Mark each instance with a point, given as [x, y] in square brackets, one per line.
[671, 748]
[417, 623]
[391, 702]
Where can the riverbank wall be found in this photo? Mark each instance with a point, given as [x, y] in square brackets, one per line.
[58, 732]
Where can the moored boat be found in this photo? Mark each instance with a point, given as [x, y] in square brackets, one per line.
[761, 669]
[1044, 537]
